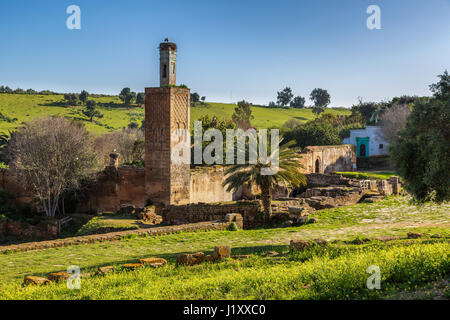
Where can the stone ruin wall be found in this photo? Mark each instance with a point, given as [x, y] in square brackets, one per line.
[329, 158]
[113, 189]
[206, 185]
[127, 188]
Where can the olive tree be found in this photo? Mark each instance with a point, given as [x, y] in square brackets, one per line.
[51, 155]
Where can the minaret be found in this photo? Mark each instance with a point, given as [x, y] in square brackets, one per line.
[167, 125]
[168, 63]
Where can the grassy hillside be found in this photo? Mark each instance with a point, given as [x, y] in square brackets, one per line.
[264, 117]
[27, 107]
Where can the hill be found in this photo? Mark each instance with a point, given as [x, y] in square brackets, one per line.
[19, 108]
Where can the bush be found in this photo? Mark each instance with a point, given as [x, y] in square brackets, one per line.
[233, 227]
[421, 152]
[314, 134]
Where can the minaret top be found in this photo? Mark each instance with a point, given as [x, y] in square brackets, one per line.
[167, 45]
[168, 61]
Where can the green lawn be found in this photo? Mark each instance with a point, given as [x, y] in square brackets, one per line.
[27, 107]
[377, 175]
[341, 268]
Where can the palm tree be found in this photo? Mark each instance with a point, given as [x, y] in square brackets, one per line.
[288, 174]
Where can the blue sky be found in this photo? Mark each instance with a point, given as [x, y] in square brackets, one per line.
[228, 50]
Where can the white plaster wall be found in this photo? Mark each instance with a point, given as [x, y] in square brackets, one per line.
[373, 132]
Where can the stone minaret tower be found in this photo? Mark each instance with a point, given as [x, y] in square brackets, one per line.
[167, 63]
[167, 126]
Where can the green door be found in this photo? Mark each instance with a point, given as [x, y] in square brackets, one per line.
[362, 147]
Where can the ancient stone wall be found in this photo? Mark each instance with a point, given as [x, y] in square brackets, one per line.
[206, 185]
[114, 189]
[212, 211]
[324, 180]
[327, 159]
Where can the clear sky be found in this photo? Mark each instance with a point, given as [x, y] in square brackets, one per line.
[230, 49]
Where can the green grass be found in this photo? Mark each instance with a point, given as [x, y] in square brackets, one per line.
[378, 175]
[27, 107]
[259, 277]
[335, 272]
[264, 117]
[107, 224]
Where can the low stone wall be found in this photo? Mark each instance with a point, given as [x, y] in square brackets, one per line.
[197, 212]
[210, 225]
[251, 211]
[324, 180]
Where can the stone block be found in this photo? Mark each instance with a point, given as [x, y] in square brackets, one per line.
[157, 262]
[222, 252]
[33, 280]
[415, 235]
[106, 269]
[190, 259]
[58, 276]
[300, 245]
[132, 266]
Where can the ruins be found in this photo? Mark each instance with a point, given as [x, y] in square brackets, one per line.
[192, 194]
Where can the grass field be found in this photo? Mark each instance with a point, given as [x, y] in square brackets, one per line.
[27, 107]
[378, 175]
[337, 272]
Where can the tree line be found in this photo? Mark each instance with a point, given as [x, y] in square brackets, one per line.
[285, 98]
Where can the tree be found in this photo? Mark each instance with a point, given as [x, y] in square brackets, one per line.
[127, 96]
[284, 96]
[51, 155]
[392, 121]
[366, 109]
[128, 142]
[317, 110]
[441, 89]
[320, 97]
[298, 102]
[421, 152]
[91, 110]
[71, 99]
[195, 97]
[250, 174]
[314, 133]
[84, 95]
[243, 115]
[140, 98]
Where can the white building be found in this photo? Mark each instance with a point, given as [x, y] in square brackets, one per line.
[368, 142]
